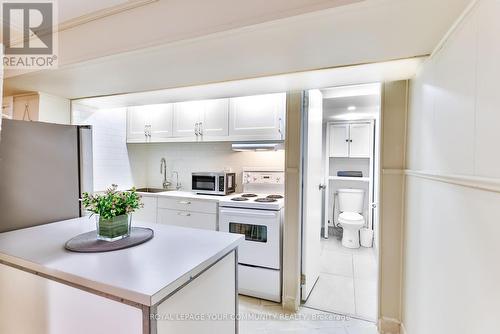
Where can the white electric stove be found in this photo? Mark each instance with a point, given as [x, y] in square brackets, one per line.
[258, 214]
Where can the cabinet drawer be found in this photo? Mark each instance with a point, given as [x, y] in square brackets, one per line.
[188, 204]
[206, 221]
[148, 212]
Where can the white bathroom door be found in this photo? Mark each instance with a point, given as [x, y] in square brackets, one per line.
[312, 189]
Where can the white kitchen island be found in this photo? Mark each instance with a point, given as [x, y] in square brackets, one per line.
[182, 281]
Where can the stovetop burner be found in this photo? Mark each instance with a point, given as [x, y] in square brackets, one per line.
[249, 195]
[239, 199]
[275, 196]
[265, 200]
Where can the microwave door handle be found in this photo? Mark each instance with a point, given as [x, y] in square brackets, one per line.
[246, 213]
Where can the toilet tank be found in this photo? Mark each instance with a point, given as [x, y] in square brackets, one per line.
[351, 200]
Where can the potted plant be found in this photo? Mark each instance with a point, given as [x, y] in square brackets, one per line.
[113, 211]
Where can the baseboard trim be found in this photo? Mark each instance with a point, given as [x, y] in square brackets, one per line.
[475, 182]
[389, 326]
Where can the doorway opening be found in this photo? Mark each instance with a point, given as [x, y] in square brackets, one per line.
[340, 192]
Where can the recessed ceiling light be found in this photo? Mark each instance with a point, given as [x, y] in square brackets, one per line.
[351, 108]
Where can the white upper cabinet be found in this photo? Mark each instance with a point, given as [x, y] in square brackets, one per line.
[359, 140]
[259, 117]
[201, 120]
[187, 117]
[350, 140]
[149, 123]
[215, 119]
[339, 140]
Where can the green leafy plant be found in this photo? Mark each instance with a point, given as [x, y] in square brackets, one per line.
[112, 203]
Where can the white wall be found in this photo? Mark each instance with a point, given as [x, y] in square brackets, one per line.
[54, 109]
[114, 162]
[200, 157]
[451, 273]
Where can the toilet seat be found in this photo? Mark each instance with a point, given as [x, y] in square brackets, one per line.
[351, 218]
[351, 222]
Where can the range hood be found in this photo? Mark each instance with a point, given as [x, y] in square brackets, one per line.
[257, 146]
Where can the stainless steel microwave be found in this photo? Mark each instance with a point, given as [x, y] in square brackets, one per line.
[213, 183]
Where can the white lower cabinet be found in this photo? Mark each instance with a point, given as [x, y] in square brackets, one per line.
[206, 221]
[212, 295]
[148, 213]
[187, 212]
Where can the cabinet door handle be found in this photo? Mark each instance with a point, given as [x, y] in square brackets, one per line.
[185, 214]
[197, 128]
[184, 202]
[280, 120]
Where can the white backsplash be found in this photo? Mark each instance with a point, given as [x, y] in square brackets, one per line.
[114, 162]
[139, 164]
[186, 158]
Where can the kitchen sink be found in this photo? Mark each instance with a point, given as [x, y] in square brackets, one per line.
[151, 190]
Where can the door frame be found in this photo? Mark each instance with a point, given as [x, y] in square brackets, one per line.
[304, 113]
[376, 168]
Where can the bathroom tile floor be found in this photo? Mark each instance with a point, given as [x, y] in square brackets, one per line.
[348, 281]
[264, 317]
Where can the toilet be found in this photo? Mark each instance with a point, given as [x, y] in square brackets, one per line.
[350, 206]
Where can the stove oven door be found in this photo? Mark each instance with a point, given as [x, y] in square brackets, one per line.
[261, 229]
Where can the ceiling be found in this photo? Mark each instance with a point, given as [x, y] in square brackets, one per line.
[71, 9]
[344, 103]
[348, 33]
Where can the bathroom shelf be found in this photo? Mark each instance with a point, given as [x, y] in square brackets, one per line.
[345, 178]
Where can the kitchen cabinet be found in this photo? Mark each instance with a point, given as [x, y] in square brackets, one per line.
[148, 212]
[201, 120]
[258, 117]
[339, 140]
[7, 107]
[249, 118]
[350, 140]
[149, 123]
[39, 107]
[190, 219]
[187, 212]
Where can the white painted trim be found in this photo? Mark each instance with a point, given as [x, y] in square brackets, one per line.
[96, 15]
[389, 326]
[475, 182]
[455, 25]
[390, 171]
[402, 329]
[102, 13]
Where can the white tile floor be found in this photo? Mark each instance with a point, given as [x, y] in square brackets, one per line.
[347, 282]
[263, 317]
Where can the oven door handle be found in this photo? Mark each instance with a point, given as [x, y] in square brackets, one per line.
[246, 213]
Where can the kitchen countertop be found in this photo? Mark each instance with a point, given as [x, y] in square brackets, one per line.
[143, 274]
[184, 194]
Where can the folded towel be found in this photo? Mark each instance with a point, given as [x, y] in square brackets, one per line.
[350, 173]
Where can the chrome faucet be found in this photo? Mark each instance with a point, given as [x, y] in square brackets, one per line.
[177, 183]
[163, 170]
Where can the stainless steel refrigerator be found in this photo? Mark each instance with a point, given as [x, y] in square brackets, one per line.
[44, 169]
